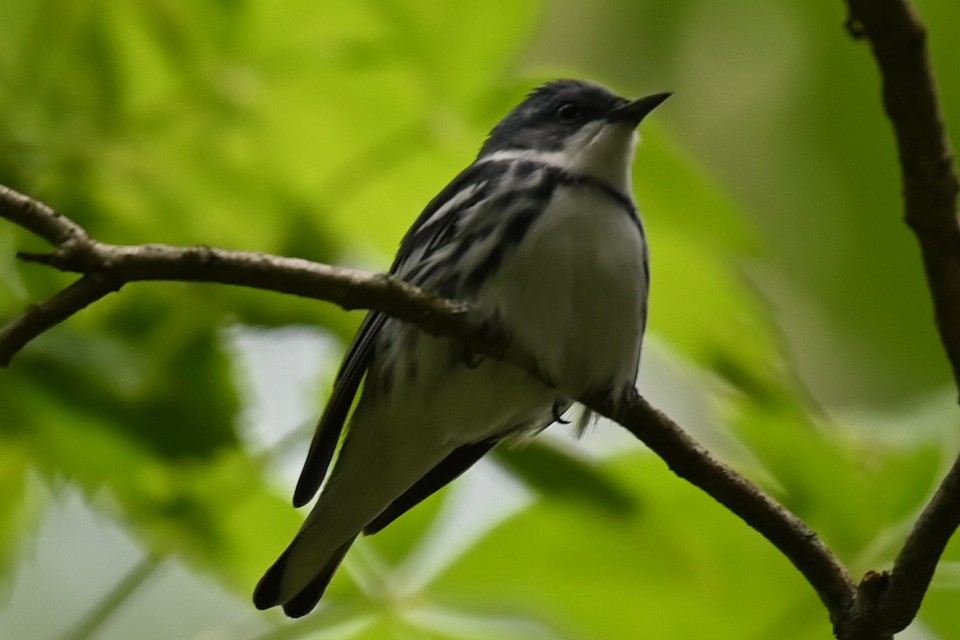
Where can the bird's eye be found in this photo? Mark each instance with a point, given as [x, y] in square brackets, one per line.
[568, 112]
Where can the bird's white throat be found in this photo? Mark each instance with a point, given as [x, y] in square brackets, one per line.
[601, 150]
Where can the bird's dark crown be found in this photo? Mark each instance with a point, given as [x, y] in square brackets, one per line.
[550, 114]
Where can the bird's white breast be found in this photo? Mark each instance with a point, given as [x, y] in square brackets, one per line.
[574, 292]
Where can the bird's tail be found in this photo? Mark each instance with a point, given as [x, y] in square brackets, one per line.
[270, 590]
[375, 466]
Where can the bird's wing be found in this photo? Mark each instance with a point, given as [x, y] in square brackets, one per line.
[428, 231]
[441, 215]
[345, 387]
[268, 591]
[446, 471]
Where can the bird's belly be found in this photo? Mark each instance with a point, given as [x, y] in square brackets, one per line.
[574, 292]
[453, 401]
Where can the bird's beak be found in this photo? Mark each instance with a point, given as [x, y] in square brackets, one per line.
[636, 110]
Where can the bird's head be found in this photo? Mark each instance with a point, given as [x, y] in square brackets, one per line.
[580, 126]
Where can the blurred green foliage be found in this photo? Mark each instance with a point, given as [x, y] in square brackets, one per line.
[785, 287]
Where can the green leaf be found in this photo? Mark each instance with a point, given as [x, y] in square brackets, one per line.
[553, 472]
[590, 576]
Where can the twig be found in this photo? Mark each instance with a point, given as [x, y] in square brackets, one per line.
[350, 289]
[898, 40]
[37, 217]
[930, 183]
[128, 585]
[917, 561]
[689, 460]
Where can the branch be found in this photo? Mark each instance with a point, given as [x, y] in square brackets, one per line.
[930, 182]
[38, 218]
[112, 266]
[111, 602]
[689, 460]
[108, 267]
[930, 186]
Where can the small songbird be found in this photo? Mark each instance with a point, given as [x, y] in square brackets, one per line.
[542, 235]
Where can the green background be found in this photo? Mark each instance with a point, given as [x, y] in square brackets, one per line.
[147, 446]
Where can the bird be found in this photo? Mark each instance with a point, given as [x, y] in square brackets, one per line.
[541, 235]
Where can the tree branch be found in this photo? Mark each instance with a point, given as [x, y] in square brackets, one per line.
[108, 267]
[689, 460]
[898, 40]
[930, 183]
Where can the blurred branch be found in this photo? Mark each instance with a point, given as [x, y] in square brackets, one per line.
[115, 265]
[330, 616]
[898, 39]
[128, 585]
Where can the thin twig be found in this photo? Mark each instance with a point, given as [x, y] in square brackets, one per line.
[38, 218]
[327, 616]
[914, 567]
[128, 585]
